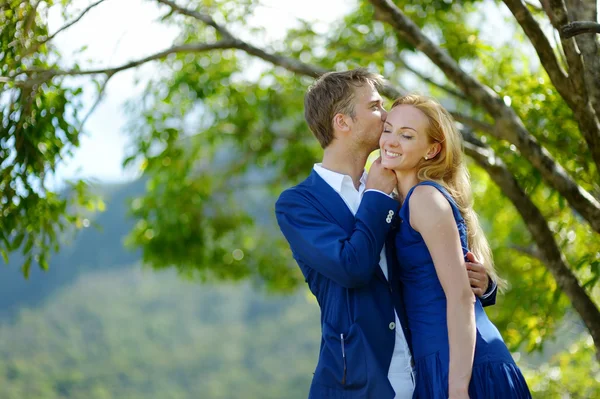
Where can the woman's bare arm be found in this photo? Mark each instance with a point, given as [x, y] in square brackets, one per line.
[431, 215]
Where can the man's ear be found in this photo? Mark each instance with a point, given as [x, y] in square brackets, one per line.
[434, 150]
[340, 122]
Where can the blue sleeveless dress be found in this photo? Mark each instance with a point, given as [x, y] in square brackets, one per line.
[495, 374]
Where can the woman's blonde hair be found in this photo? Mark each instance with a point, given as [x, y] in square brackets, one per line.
[448, 169]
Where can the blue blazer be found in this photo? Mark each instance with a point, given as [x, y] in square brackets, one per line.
[338, 254]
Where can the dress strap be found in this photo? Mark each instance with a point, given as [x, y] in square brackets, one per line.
[405, 212]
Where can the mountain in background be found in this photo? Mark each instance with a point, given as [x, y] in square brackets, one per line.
[133, 333]
[99, 325]
[94, 248]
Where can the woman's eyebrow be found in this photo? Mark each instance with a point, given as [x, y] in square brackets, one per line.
[403, 127]
[408, 127]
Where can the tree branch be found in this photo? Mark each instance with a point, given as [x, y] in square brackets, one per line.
[578, 28]
[534, 7]
[585, 12]
[531, 251]
[34, 48]
[413, 34]
[97, 102]
[45, 74]
[429, 80]
[550, 13]
[569, 87]
[470, 137]
[541, 44]
[291, 64]
[474, 123]
[207, 19]
[558, 10]
[584, 73]
[30, 20]
[537, 225]
[508, 124]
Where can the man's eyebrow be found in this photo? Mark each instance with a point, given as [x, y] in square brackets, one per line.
[376, 102]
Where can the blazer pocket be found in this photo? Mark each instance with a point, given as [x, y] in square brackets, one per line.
[343, 361]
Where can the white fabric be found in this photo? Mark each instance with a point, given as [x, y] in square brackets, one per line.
[400, 372]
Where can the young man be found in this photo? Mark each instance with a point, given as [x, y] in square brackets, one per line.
[337, 222]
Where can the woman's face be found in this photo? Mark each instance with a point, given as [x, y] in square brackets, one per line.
[404, 141]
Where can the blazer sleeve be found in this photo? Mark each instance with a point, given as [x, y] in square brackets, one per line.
[324, 246]
[489, 297]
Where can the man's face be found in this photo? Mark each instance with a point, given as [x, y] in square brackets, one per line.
[369, 117]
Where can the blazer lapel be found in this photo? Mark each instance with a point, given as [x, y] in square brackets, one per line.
[331, 201]
[334, 205]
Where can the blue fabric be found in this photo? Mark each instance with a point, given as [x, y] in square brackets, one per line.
[338, 254]
[495, 374]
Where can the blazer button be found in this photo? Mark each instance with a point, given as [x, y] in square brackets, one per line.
[392, 325]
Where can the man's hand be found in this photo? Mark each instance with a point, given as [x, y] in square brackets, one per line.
[380, 178]
[477, 275]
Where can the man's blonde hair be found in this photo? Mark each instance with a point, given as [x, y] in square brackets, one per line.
[331, 94]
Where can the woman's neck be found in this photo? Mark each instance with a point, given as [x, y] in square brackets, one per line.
[406, 181]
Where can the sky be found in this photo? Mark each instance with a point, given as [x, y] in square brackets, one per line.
[118, 31]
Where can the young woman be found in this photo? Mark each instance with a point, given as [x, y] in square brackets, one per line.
[458, 352]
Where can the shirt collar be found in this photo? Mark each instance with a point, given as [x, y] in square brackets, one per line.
[336, 180]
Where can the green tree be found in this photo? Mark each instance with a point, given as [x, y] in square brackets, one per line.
[39, 127]
[528, 108]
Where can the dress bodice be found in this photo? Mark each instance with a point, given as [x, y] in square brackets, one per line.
[426, 310]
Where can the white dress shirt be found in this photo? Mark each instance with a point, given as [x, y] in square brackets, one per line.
[400, 371]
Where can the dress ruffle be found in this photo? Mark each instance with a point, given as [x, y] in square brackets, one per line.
[489, 380]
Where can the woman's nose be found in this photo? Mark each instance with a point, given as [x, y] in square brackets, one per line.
[390, 141]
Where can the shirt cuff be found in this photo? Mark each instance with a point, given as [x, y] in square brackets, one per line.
[490, 289]
[379, 191]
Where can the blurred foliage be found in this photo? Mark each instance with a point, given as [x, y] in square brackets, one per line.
[574, 373]
[39, 127]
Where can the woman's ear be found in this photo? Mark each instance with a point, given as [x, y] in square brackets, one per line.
[339, 123]
[434, 150]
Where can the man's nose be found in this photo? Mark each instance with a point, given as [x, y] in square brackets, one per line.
[383, 114]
